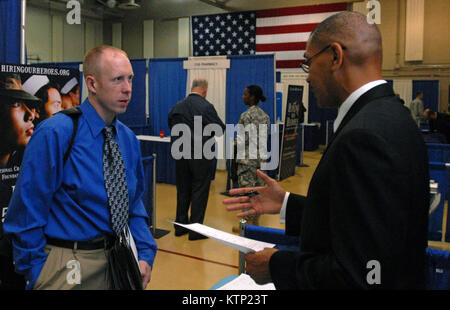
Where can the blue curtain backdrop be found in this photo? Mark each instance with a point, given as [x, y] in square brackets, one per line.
[135, 114]
[318, 115]
[245, 71]
[166, 86]
[10, 31]
[430, 90]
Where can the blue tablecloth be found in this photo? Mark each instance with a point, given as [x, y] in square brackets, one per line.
[165, 164]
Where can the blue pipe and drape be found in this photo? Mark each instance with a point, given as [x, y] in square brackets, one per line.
[10, 11]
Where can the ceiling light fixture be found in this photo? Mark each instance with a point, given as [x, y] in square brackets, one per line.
[129, 5]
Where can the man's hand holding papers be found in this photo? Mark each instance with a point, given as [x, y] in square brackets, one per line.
[257, 253]
[258, 265]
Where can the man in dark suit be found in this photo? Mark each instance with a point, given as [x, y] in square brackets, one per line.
[194, 168]
[439, 122]
[363, 223]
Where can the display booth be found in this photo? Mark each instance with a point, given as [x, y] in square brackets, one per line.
[168, 83]
[160, 83]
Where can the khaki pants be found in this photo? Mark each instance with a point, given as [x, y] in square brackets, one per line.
[69, 269]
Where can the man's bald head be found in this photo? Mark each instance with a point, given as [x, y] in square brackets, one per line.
[92, 60]
[361, 40]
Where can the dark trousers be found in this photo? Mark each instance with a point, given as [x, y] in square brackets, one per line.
[193, 178]
[9, 280]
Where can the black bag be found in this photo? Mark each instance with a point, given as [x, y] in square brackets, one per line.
[123, 267]
[74, 114]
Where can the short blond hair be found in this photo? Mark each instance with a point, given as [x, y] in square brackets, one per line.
[92, 58]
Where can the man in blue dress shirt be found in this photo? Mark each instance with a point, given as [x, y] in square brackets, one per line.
[58, 219]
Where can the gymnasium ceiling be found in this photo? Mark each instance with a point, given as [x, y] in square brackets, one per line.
[170, 9]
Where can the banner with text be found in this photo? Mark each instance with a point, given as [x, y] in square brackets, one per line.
[28, 95]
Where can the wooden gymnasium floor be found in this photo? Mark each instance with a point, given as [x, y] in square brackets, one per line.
[181, 264]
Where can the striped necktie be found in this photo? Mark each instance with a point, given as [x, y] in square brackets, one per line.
[115, 181]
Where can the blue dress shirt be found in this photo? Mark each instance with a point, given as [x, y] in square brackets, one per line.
[69, 201]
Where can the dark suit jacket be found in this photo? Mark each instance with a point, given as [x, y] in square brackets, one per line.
[185, 111]
[367, 201]
[441, 124]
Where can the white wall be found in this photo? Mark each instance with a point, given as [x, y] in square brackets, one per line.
[166, 38]
[147, 38]
[38, 27]
[184, 37]
[73, 42]
[117, 35]
[51, 39]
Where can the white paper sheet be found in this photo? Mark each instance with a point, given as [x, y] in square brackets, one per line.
[132, 244]
[245, 282]
[153, 138]
[242, 244]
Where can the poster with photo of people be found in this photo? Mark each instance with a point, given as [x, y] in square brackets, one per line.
[28, 96]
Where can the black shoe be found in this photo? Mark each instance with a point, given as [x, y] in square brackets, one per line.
[195, 236]
[179, 233]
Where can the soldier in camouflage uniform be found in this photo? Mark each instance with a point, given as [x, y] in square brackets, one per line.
[254, 116]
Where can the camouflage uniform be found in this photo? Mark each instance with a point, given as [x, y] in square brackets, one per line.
[246, 168]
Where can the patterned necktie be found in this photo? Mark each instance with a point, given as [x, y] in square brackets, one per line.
[115, 182]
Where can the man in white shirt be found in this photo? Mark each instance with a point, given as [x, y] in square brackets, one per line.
[363, 223]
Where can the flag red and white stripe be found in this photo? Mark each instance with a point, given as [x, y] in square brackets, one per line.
[285, 31]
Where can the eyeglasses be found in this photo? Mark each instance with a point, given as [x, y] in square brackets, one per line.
[307, 63]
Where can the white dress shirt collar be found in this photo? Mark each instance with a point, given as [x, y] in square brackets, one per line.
[348, 103]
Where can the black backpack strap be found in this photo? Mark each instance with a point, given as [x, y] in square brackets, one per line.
[74, 114]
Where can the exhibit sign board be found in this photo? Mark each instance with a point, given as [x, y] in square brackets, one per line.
[288, 154]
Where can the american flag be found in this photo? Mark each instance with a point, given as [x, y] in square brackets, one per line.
[283, 32]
